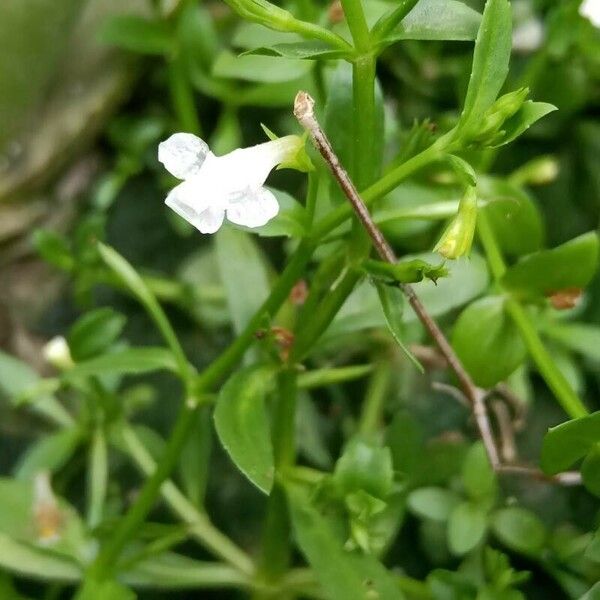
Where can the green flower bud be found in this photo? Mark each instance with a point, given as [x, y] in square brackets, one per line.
[457, 239]
[264, 13]
[539, 171]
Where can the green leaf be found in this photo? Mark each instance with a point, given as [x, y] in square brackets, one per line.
[311, 50]
[513, 216]
[262, 69]
[583, 338]
[520, 530]
[568, 442]
[392, 303]
[528, 114]
[195, 458]
[97, 477]
[498, 350]
[437, 20]
[571, 265]
[244, 274]
[433, 503]
[590, 470]
[466, 527]
[29, 561]
[93, 333]
[49, 453]
[242, 424]
[366, 467]
[137, 34]
[140, 290]
[342, 574]
[54, 249]
[133, 361]
[490, 61]
[478, 476]
[17, 378]
[405, 440]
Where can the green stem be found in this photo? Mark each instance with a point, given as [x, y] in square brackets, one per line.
[200, 527]
[355, 17]
[566, 397]
[127, 527]
[376, 396]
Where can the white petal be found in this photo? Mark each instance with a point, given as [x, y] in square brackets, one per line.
[590, 9]
[253, 208]
[210, 220]
[183, 154]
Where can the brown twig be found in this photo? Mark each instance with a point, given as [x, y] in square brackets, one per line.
[304, 112]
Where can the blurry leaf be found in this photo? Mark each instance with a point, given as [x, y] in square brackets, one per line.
[437, 20]
[405, 271]
[16, 378]
[590, 470]
[519, 529]
[29, 561]
[242, 424]
[499, 349]
[137, 34]
[263, 69]
[97, 477]
[250, 35]
[342, 574]
[529, 113]
[171, 571]
[592, 594]
[195, 458]
[309, 433]
[101, 590]
[310, 49]
[132, 361]
[490, 61]
[273, 94]
[54, 249]
[514, 218]
[392, 303]
[571, 265]
[49, 453]
[289, 222]
[93, 333]
[244, 274]
[466, 527]
[478, 476]
[130, 277]
[578, 337]
[568, 442]
[433, 503]
[405, 440]
[366, 467]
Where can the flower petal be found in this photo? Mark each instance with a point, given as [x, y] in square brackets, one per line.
[183, 154]
[253, 208]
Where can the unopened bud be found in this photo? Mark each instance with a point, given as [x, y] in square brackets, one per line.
[57, 353]
[46, 512]
[540, 171]
[457, 239]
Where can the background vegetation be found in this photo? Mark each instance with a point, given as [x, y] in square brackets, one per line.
[380, 486]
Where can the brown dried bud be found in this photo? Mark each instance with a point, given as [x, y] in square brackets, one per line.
[299, 293]
[565, 299]
[336, 12]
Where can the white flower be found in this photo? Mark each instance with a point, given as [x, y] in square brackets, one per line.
[590, 9]
[57, 353]
[232, 185]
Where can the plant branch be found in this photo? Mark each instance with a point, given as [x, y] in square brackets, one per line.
[304, 112]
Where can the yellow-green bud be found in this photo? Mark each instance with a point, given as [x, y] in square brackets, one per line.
[539, 171]
[457, 239]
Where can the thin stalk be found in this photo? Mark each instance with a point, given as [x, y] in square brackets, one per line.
[372, 409]
[304, 112]
[357, 23]
[562, 390]
[199, 525]
[125, 530]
